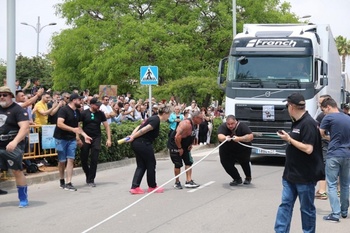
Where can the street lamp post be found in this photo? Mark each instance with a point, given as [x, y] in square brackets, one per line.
[38, 29]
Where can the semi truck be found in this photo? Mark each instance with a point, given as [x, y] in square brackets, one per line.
[267, 63]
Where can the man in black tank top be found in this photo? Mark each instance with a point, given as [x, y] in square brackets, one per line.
[180, 145]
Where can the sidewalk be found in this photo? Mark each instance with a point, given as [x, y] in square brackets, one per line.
[51, 173]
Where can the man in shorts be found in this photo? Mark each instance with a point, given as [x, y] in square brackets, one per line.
[14, 126]
[67, 137]
[180, 145]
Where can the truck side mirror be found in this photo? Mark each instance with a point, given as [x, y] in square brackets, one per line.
[221, 78]
[324, 68]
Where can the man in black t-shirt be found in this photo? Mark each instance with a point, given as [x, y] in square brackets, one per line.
[92, 119]
[14, 126]
[67, 137]
[231, 151]
[303, 167]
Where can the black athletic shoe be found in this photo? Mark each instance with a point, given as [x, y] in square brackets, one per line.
[92, 184]
[191, 184]
[178, 185]
[70, 187]
[236, 182]
[3, 192]
[331, 218]
[247, 181]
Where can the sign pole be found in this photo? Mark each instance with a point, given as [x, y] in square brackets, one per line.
[150, 100]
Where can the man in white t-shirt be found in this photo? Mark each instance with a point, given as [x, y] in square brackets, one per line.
[107, 109]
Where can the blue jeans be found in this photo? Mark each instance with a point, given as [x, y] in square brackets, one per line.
[66, 149]
[338, 167]
[306, 194]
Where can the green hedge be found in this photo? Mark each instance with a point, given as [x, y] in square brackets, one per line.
[118, 152]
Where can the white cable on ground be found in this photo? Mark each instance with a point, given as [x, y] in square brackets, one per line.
[155, 190]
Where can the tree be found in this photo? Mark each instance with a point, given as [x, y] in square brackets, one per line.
[343, 46]
[110, 40]
[34, 68]
[30, 68]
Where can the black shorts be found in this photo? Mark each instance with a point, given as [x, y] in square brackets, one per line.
[12, 160]
[177, 159]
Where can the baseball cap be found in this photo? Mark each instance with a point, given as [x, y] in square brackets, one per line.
[95, 101]
[75, 96]
[296, 98]
[155, 106]
[5, 89]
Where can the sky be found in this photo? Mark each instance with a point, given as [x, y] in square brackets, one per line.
[335, 12]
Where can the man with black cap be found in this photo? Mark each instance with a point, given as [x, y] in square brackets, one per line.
[92, 119]
[14, 126]
[303, 167]
[67, 137]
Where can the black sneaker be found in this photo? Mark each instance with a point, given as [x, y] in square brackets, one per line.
[236, 182]
[191, 184]
[178, 185]
[344, 215]
[70, 187]
[331, 218]
[92, 184]
[247, 181]
[3, 192]
[62, 184]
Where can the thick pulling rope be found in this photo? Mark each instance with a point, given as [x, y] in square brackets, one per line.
[155, 190]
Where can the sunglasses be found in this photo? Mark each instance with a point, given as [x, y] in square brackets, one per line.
[4, 95]
[92, 116]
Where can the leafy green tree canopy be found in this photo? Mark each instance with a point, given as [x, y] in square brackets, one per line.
[110, 40]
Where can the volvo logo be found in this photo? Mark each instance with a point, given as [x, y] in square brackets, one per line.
[267, 94]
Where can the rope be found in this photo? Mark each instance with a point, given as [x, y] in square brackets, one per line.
[155, 190]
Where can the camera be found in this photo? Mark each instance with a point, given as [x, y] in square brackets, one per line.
[123, 109]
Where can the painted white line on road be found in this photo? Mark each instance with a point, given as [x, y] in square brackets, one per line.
[200, 187]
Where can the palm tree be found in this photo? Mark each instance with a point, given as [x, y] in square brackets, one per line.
[343, 46]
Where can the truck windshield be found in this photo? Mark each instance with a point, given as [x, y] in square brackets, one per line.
[270, 68]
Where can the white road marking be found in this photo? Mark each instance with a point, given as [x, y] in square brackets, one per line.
[200, 187]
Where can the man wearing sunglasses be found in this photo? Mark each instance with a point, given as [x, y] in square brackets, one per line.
[91, 119]
[14, 126]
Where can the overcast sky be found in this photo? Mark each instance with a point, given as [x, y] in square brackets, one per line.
[333, 12]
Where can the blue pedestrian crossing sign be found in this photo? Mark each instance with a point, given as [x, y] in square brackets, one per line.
[149, 75]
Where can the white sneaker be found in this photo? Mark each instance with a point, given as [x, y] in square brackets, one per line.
[201, 143]
[205, 143]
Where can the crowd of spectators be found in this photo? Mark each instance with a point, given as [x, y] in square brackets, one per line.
[42, 107]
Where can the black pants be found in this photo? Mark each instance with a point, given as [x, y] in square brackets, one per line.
[229, 158]
[203, 132]
[145, 161]
[94, 148]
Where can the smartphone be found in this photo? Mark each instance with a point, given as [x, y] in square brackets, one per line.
[280, 131]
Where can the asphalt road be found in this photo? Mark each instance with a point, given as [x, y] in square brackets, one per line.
[214, 207]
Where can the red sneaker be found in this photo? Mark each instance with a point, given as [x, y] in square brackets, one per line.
[159, 190]
[137, 190]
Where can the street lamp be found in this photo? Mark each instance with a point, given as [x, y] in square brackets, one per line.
[38, 29]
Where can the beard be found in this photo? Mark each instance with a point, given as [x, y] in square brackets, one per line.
[77, 105]
[3, 104]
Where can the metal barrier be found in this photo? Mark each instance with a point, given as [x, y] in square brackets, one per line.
[34, 149]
